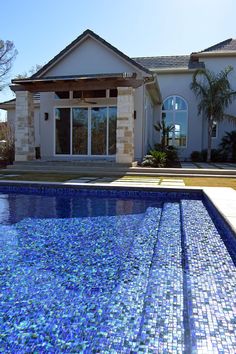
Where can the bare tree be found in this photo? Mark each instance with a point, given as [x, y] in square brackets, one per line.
[8, 53]
[32, 71]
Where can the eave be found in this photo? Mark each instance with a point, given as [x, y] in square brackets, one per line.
[220, 54]
[86, 82]
[182, 70]
[154, 91]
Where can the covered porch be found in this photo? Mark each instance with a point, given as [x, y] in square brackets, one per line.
[119, 94]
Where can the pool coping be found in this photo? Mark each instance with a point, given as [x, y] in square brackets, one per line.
[223, 198]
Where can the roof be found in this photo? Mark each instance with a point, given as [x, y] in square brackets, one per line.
[8, 104]
[85, 34]
[168, 62]
[228, 45]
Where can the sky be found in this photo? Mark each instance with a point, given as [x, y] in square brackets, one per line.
[41, 29]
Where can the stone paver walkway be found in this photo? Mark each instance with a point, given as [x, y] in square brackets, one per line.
[213, 165]
[128, 181]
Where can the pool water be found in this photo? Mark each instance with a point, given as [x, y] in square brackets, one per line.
[108, 274]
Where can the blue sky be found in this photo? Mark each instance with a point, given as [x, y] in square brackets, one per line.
[137, 27]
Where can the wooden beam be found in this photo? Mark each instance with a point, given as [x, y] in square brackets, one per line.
[73, 85]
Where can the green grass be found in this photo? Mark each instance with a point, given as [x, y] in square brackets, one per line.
[59, 177]
[210, 182]
[45, 177]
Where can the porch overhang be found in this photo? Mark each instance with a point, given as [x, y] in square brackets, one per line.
[154, 90]
[86, 82]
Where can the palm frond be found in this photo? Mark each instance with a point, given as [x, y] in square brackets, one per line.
[230, 118]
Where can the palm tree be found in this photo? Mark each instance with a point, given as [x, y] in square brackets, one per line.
[165, 131]
[215, 95]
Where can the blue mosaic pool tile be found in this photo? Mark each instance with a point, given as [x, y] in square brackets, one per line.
[213, 283]
[88, 271]
[162, 327]
[121, 192]
[124, 314]
[61, 295]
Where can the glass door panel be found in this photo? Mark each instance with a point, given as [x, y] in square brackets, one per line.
[98, 130]
[112, 130]
[62, 131]
[80, 131]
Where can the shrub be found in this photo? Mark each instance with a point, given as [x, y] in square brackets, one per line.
[196, 156]
[171, 153]
[228, 145]
[204, 155]
[155, 159]
[7, 153]
[7, 146]
[217, 155]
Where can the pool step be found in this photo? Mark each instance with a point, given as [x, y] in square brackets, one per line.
[124, 313]
[162, 329]
[212, 278]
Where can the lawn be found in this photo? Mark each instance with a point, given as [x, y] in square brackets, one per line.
[60, 177]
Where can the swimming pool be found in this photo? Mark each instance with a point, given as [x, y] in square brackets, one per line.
[114, 272]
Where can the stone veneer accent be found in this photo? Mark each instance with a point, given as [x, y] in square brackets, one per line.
[24, 127]
[125, 125]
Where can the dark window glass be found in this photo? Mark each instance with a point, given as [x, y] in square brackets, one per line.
[214, 130]
[62, 130]
[62, 95]
[113, 93]
[112, 130]
[80, 131]
[89, 94]
[168, 104]
[98, 131]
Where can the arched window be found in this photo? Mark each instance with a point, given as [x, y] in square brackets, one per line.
[175, 114]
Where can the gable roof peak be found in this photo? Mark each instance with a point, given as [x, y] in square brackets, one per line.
[80, 38]
[226, 45]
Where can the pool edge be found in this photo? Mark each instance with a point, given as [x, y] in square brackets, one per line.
[222, 198]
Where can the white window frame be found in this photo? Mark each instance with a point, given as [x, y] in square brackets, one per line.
[89, 155]
[217, 128]
[174, 112]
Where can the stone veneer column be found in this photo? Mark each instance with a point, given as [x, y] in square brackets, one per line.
[125, 125]
[24, 127]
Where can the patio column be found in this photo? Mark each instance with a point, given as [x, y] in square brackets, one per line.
[24, 127]
[125, 125]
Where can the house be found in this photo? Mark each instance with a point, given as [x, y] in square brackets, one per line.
[93, 102]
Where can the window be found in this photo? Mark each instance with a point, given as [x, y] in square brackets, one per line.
[89, 94]
[59, 95]
[214, 130]
[85, 131]
[175, 114]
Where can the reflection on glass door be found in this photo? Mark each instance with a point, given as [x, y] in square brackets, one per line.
[98, 130]
[62, 138]
[80, 131]
[85, 131]
[112, 130]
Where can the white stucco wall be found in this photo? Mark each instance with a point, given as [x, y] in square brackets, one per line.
[179, 85]
[90, 57]
[216, 65]
[138, 123]
[47, 126]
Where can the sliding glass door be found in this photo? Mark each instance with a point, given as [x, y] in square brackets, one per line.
[85, 131]
[99, 131]
[80, 131]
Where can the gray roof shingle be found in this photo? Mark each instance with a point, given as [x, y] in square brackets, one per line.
[227, 45]
[168, 62]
